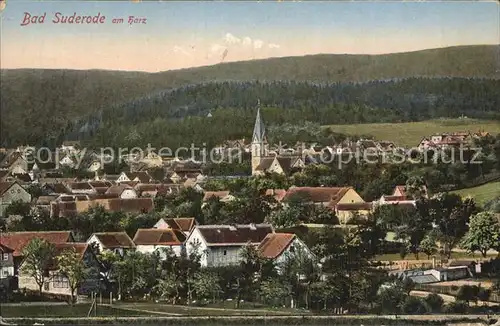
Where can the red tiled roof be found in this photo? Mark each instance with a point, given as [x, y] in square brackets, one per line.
[278, 194]
[395, 198]
[234, 235]
[185, 224]
[275, 243]
[112, 240]
[100, 184]
[117, 189]
[18, 240]
[5, 249]
[218, 194]
[80, 249]
[167, 237]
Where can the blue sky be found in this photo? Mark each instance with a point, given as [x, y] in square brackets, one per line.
[186, 34]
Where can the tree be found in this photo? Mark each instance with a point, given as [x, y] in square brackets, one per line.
[38, 255]
[206, 284]
[434, 302]
[414, 305]
[451, 215]
[71, 266]
[390, 299]
[468, 293]
[428, 245]
[483, 234]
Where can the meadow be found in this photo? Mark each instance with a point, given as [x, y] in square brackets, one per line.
[482, 193]
[409, 134]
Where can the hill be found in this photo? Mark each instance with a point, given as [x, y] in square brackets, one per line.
[411, 133]
[36, 102]
[483, 193]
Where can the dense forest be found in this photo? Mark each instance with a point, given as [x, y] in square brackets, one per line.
[179, 117]
[40, 106]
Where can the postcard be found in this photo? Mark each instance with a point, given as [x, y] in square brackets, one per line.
[281, 162]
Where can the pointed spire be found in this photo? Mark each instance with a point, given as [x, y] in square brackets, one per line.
[259, 132]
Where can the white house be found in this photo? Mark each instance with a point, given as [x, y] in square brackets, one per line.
[6, 264]
[220, 245]
[122, 191]
[118, 242]
[155, 240]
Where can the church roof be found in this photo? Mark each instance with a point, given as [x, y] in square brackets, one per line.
[259, 131]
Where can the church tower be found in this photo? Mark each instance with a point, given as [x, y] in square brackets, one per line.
[259, 146]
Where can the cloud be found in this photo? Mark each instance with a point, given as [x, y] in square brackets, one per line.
[217, 50]
[231, 39]
[258, 44]
[247, 41]
[274, 46]
[180, 49]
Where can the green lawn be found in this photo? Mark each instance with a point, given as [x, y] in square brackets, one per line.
[79, 310]
[216, 310]
[410, 133]
[454, 255]
[483, 193]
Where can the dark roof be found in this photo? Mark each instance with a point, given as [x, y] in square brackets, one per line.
[234, 235]
[80, 186]
[4, 249]
[185, 224]
[4, 174]
[131, 205]
[111, 240]
[4, 186]
[142, 176]
[100, 184]
[159, 237]
[353, 206]
[275, 243]
[24, 177]
[319, 194]
[18, 240]
[462, 263]
[57, 188]
[117, 189]
[265, 163]
[10, 159]
[63, 208]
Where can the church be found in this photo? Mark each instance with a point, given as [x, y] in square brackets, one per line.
[265, 161]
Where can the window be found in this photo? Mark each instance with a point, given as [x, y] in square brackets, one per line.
[292, 248]
[6, 273]
[5, 256]
[60, 282]
[225, 252]
[46, 286]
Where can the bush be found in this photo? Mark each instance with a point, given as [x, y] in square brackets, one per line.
[458, 307]
[434, 302]
[414, 305]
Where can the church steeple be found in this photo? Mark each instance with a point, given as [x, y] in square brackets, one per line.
[259, 142]
[259, 131]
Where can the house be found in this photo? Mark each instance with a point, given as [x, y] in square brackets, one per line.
[280, 165]
[141, 176]
[15, 163]
[18, 240]
[326, 196]
[123, 191]
[450, 273]
[183, 224]
[80, 188]
[223, 196]
[345, 212]
[282, 246]
[155, 240]
[6, 266]
[118, 242]
[12, 192]
[94, 166]
[57, 283]
[67, 161]
[277, 194]
[221, 245]
[131, 205]
[399, 191]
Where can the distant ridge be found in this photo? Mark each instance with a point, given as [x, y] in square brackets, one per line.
[62, 95]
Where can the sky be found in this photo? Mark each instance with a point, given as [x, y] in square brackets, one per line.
[180, 35]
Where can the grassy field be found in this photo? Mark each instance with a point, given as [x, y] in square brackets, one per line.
[79, 310]
[217, 310]
[483, 193]
[454, 255]
[410, 133]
